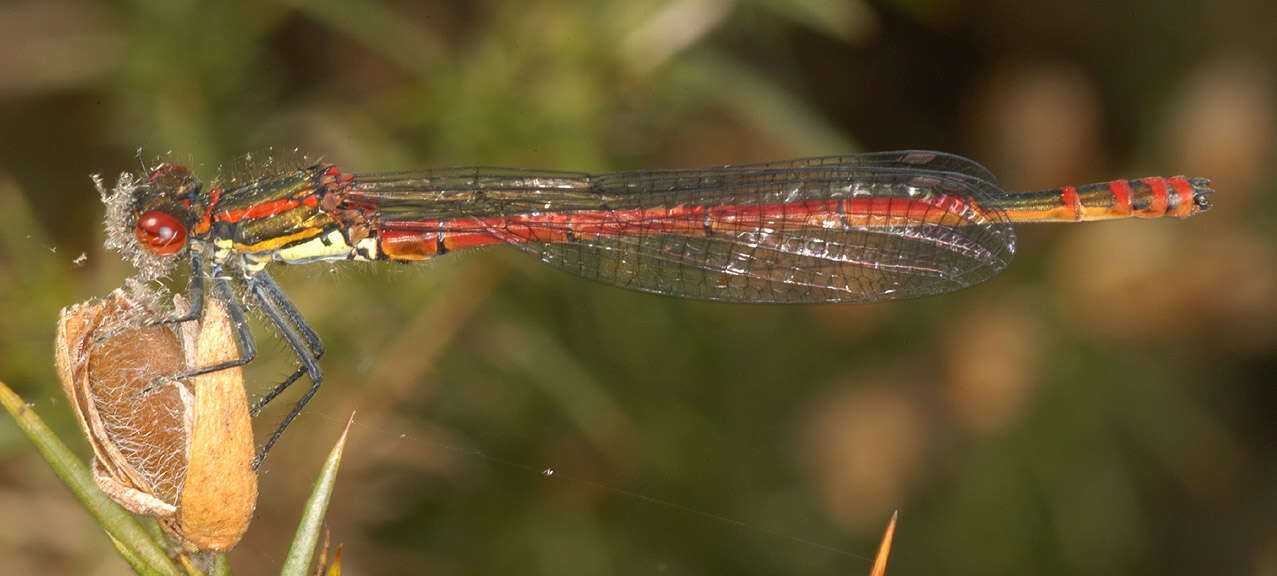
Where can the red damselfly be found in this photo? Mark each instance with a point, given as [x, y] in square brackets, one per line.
[855, 228]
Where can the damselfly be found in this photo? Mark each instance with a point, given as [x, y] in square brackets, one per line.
[856, 228]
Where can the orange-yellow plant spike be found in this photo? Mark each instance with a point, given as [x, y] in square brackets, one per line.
[335, 568]
[884, 549]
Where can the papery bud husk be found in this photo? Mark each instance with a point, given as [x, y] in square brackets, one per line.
[180, 451]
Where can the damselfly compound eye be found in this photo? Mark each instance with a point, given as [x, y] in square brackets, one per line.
[160, 233]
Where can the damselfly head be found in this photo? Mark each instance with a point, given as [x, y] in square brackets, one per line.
[163, 213]
[149, 220]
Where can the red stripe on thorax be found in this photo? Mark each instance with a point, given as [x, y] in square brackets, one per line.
[268, 209]
[206, 219]
[263, 210]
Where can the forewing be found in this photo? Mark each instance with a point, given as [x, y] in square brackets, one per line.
[858, 228]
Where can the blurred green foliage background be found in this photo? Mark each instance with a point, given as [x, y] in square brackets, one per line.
[1105, 406]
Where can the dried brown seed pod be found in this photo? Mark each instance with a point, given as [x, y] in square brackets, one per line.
[181, 451]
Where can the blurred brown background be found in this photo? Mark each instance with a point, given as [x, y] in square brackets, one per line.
[1105, 406]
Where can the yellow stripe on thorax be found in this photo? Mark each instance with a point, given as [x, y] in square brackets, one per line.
[278, 242]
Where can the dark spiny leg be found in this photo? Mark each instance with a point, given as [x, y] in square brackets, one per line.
[243, 337]
[194, 290]
[279, 388]
[300, 337]
[194, 296]
[270, 289]
[288, 419]
[247, 346]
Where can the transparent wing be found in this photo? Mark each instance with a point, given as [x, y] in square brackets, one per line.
[858, 228]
